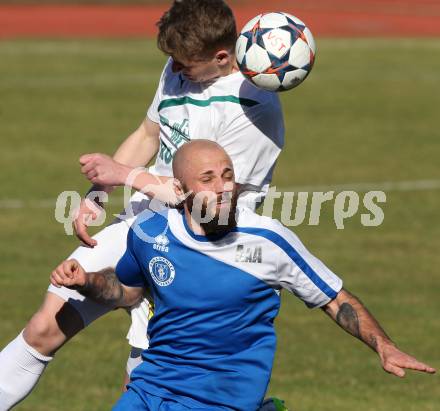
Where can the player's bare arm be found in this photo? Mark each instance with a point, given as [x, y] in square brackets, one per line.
[352, 316]
[106, 172]
[103, 171]
[135, 151]
[102, 286]
[105, 288]
[141, 146]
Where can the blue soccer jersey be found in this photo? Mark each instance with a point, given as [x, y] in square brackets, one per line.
[212, 340]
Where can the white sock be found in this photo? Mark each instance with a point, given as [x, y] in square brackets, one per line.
[20, 369]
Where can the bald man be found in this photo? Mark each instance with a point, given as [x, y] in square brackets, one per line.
[215, 272]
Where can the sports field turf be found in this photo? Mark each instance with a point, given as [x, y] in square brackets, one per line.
[368, 113]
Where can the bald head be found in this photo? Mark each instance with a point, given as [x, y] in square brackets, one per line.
[197, 156]
[207, 182]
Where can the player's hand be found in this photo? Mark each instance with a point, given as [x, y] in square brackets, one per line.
[68, 274]
[102, 170]
[395, 362]
[88, 211]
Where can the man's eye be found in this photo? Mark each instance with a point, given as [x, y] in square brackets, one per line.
[205, 180]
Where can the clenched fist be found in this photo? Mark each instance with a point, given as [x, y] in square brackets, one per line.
[69, 274]
[103, 170]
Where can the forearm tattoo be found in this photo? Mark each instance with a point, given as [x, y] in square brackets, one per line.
[354, 318]
[105, 288]
[373, 342]
[348, 319]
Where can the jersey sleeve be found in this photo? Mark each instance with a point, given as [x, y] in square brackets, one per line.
[253, 140]
[303, 274]
[128, 269]
[153, 110]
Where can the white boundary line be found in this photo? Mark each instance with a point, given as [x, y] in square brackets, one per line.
[416, 185]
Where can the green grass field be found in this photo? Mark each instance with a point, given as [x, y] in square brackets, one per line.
[368, 113]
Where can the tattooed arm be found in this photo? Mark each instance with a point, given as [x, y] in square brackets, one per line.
[102, 286]
[353, 317]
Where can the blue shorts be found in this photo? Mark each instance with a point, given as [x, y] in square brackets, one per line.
[132, 401]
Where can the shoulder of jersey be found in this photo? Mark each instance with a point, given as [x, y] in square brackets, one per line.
[151, 223]
[248, 88]
[250, 219]
[167, 72]
[168, 64]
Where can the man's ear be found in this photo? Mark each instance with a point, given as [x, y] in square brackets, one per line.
[178, 189]
[180, 192]
[177, 186]
[223, 57]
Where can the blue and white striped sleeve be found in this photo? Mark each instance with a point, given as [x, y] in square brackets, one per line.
[303, 274]
[128, 269]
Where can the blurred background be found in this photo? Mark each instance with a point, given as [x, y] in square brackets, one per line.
[78, 77]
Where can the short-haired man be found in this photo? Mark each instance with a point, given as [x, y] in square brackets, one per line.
[216, 293]
[201, 94]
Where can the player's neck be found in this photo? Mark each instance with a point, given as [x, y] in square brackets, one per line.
[229, 69]
[193, 224]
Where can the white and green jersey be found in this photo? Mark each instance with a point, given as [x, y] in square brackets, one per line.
[245, 120]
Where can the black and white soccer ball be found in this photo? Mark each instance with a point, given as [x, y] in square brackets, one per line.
[275, 51]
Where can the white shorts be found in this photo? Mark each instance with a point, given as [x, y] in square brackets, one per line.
[111, 246]
[137, 334]
[134, 359]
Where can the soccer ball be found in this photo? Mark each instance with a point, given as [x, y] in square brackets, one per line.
[275, 51]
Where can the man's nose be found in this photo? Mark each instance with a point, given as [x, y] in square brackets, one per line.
[222, 186]
[219, 186]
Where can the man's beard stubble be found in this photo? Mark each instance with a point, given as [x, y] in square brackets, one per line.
[224, 219]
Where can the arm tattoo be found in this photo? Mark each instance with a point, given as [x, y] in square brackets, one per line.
[353, 317]
[348, 319]
[373, 342]
[105, 288]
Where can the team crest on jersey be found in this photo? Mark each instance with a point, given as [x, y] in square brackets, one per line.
[162, 271]
[178, 135]
[161, 243]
